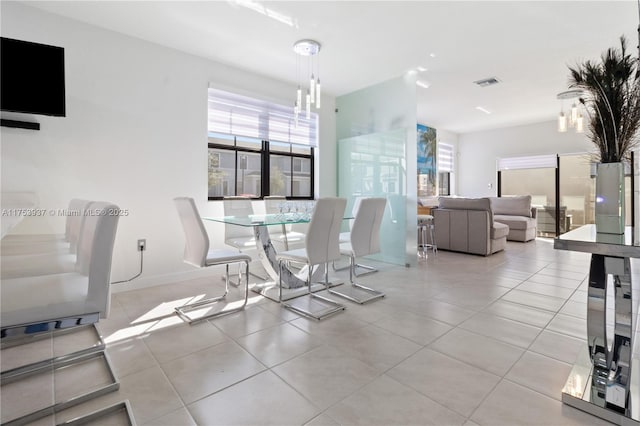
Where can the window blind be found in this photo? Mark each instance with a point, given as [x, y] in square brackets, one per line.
[445, 158]
[239, 115]
[531, 162]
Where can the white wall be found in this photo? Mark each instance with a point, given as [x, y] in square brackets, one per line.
[135, 134]
[478, 152]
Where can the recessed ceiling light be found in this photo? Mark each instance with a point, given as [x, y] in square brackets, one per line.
[412, 72]
[423, 84]
[433, 55]
[422, 69]
[486, 111]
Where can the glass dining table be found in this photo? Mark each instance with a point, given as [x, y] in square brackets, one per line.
[293, 281]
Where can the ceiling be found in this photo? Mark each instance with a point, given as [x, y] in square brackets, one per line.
[526, 45]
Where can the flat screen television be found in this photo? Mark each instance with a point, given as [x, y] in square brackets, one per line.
[32, 77]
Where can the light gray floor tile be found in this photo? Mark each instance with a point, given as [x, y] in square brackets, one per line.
[511, 404]
[575, 309]
[534, 300]
[414, 327]
[322, 420]
[261, 400]
[558, 346]
[445, 312]
[325, 375]
[149, 392]
[182, 339]
[556, 281]
[503, 329]
[520, 313]
[548, 290]
[566, 324]
[277, 344]
[246, 322]
[540, 373]
[202, 373]
[386, 402]
[454, 384]
[27, 395]
[483, 352]
[180, 417]
[375, 346]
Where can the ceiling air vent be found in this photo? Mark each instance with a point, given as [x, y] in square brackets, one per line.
[485, 82]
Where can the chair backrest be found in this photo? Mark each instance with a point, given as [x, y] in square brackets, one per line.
[95, 252]
[196, 244]
[365, 233]
[323, 236]
[239, 207]
[75, 220]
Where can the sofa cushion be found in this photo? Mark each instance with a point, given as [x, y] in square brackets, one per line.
[515, 222]
[515, 206]
[499, 230]
[465, 203]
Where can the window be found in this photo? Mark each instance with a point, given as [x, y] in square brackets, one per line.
[256, 148]
[445, 168]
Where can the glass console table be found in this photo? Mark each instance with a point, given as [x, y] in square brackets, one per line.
[605, 380]
[293, 282]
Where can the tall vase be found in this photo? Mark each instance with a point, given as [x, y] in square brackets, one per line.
[610, 198]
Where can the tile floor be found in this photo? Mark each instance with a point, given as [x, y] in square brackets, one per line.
[458, 340]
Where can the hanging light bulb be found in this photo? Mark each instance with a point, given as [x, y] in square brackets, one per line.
[574, 114]
[308, 48]
[580, 124]
[562, 122]
[296, 111]
[318, 92]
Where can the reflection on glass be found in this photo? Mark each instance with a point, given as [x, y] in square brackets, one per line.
[540, 184]
[374, 165]
[577, 189]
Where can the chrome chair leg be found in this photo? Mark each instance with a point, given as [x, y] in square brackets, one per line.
[328, 307]
[369, 293]
[183, 311]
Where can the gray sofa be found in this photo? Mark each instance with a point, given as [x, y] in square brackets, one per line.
[467, 225]
[517, 214]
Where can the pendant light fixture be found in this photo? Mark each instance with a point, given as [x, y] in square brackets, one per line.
[308, 49]
[575, 118]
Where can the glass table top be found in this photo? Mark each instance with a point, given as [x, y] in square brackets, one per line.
[587, 239]
[262, 219]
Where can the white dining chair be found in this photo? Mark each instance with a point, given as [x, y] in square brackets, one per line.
[321, 247]
[198, 253]
[26, 244]
[240, 237]
[56, 262]
[345, 237]
[67, 302]
[364, 239]
[85, 291]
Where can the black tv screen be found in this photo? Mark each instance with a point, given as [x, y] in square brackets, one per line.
[32, 77]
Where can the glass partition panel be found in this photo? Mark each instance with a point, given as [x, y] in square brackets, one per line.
[577, 189]
[540, 184]
[374, 165]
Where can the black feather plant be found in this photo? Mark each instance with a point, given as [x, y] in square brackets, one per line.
[611, 96]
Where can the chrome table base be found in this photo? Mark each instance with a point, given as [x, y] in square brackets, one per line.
[604, 384]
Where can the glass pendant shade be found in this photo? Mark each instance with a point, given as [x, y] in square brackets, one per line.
[318, 93]
[562, 122]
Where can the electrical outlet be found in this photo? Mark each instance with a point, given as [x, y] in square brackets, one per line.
[142, 245]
